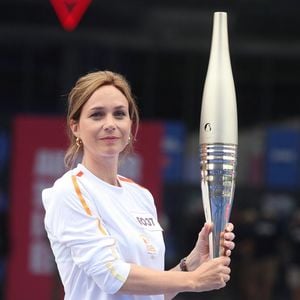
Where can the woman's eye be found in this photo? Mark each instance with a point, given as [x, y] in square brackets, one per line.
[97, 114]
[120, 114]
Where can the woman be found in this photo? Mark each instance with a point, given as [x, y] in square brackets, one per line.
[102, 227]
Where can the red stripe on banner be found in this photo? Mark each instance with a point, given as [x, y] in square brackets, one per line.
[37, 160]
[149, 146]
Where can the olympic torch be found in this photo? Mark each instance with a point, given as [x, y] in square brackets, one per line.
[218, 135]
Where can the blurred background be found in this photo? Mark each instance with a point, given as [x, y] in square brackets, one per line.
[162, 48]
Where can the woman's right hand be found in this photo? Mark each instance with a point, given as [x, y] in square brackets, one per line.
[212, 274]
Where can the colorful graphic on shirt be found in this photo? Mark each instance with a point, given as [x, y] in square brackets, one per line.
[149, 246]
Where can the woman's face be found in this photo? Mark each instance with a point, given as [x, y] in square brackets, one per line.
[104, 125]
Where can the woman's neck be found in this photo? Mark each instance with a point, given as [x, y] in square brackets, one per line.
[105, 169]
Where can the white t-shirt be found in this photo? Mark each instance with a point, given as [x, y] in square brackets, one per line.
[96, 230]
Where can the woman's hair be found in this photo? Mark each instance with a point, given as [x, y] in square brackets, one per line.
[81, 93]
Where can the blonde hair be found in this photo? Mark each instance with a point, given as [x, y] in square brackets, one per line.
[81, 93]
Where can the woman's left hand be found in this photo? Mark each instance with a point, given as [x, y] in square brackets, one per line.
[200, 253]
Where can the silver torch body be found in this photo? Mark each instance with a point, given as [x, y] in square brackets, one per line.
[218, 135]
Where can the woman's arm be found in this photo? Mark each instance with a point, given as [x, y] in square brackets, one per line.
[171, 296]
[211, 275]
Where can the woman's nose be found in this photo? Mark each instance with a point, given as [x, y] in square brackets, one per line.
[109, 123]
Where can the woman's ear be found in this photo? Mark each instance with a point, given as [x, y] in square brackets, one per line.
[74, 127]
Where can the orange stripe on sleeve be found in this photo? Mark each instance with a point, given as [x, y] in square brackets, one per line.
[125, 179]
[101, 228]
[108, 265]
[79, 195]
[79, 174]
[84, 204]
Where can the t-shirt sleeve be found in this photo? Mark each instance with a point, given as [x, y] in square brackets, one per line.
[71, 219]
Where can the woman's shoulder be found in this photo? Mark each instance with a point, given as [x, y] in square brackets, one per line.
[64, 182]
[62, 186]
[137, 187]
[125, 181]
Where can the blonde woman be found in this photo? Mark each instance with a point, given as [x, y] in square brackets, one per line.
[103, 228]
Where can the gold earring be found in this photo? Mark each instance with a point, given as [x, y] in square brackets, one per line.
[78, 142]
[129, 140]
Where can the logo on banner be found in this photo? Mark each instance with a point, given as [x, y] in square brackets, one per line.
[70, 12]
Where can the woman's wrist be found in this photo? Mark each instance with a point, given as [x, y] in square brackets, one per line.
[193, 261]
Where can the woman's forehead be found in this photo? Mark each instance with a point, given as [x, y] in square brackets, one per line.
[107, 96]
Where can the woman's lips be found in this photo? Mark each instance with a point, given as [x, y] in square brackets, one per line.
[109, 138]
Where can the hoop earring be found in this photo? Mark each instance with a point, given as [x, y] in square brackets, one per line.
[78, 142]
